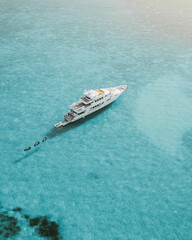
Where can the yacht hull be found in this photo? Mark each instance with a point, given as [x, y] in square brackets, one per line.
[111, 98]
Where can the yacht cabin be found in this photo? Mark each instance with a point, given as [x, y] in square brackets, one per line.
[89, 100]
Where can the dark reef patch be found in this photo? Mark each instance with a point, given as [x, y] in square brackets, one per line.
[34, 221]
[26, 216]
[8, 226]
[48, 229]
[18, 209]
[45, 227]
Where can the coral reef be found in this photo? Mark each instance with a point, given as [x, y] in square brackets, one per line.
[18, 209]
[45, 227]
[8, 226]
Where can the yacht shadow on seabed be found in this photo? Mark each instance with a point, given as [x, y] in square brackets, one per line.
[26, 155]
[58, 131]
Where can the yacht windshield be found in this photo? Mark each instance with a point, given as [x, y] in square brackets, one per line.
[86, 98]
[72, 112]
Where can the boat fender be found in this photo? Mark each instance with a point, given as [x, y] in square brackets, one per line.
[44, 139]
[28, 148]
[37, 143]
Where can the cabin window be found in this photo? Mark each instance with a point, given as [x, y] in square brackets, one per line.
[72, 111]
[98, 99]
[81, 113]
[97, 105]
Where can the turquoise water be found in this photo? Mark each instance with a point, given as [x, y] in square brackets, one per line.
[123, 173]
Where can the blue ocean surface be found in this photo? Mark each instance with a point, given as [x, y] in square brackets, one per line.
[122, 173]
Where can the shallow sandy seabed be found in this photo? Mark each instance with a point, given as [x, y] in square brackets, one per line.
[125, 172]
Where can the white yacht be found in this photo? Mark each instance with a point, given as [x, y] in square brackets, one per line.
[91, 101]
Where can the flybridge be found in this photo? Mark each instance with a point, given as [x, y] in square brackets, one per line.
[86, 100]
[93, 93]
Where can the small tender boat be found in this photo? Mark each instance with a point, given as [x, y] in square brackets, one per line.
[28, 148]
[91, 101]
[44, 139]
[37, 143]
